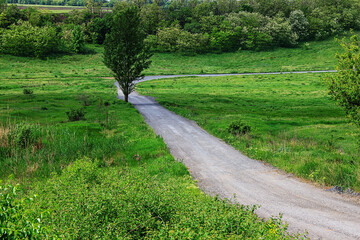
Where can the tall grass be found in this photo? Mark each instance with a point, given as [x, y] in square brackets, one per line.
[106, 175]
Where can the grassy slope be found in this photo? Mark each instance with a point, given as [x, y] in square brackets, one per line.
[100, 136]
[60, 83]
[103, 177]
[320, 56]
[295, 126]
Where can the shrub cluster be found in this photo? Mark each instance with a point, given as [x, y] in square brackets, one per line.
[76, 114]
[90, 201]
[256, 25]
[24, 39]
[188, 26]
[238, 128]
[17, 220]
[31, 33]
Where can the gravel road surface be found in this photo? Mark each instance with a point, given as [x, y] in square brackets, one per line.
[220, 169]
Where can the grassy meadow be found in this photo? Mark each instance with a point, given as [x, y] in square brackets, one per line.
[97, 170]
[311, 56]
[294, 125]
[316, 56]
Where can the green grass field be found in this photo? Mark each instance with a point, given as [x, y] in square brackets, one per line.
[319, 56]
[105, 176]
[294, 124]
[103, 171]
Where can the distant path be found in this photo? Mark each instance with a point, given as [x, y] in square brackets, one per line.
[220, 169]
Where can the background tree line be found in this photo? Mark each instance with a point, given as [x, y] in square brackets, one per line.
[183, 26]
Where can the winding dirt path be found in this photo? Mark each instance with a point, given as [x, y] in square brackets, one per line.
[220, 169]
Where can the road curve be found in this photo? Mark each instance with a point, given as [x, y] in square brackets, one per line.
[220, 169]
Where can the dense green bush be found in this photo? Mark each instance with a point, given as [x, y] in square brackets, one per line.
[9, 16]
[77, 41]
[238, 128]
[17, 219]
[344, 85]
[221, 26]
[76, 114]
[259, 40]
[281, 32]
[225, 41]
[99, 27]
[174, 39]
[299, 24]
[73, 38]
[28, 91]
[90, 201]
[167, 38]
[24, 39]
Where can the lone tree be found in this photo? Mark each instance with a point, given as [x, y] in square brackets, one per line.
[344, 85]
[125, 51]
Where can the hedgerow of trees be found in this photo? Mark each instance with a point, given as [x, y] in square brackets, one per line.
[184, 26]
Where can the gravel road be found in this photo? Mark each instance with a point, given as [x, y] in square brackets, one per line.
[220, 169]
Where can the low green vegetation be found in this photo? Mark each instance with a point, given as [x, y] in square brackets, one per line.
[99, 171]
[314, 56]
[311, 56]
[344, 85]
[286, 120]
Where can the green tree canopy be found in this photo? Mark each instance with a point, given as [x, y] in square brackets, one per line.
[3, 5]
[125, 51]
[344, 85]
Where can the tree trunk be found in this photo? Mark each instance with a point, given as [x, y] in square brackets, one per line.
[126, 97]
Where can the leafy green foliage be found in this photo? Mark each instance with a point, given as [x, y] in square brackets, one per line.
[238, 128]
[344, 86]
[3, 5]
[76, 114]
[174, 39]
[99, 27]
[132, 203]
[299, 24]
[77, 40]
[26, 40]
[125, 51]
[17, 220]
[216, 26]
[28, 91]
[9, 16]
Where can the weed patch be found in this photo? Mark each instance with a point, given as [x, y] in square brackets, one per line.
[76, 114]
[238, 128]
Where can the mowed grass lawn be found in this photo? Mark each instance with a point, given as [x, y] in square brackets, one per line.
[294, 124]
